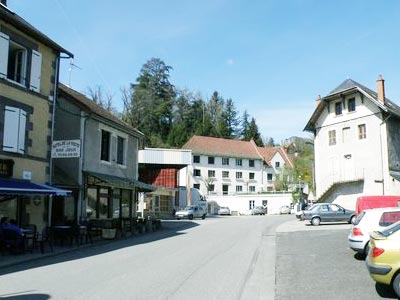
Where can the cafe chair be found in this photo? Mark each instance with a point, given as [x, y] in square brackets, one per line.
[45, 238]
[30, 232]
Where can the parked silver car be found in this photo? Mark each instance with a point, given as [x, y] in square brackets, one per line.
[328, 212]
[285, 209]
[191, 212]
[258, 210]
[224, 211]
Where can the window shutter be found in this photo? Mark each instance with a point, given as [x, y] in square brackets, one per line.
[11, 124]
[21, 131]
[36, 69]
[4, 45]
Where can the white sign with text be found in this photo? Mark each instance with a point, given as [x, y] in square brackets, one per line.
[66, 149]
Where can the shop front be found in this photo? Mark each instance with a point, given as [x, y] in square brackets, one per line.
[27, 203]
[110, 201]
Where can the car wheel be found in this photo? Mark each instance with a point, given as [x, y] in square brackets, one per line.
[352, 220]
[190, 217]
[203, 217]
[316, 221]
[396, 284]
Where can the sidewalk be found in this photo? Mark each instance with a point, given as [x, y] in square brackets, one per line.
[167, 227]
[297, 225]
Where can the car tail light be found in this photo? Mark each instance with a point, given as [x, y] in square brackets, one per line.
[377, 251]
[357, 231]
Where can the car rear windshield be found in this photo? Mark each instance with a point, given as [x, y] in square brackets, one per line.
[390, 230]
[359, 218]
[389, 217]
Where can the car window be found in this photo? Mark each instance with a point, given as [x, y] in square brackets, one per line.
[359, 218]
[389, 217]
[324, 208]
[334, 208]
[391, 229]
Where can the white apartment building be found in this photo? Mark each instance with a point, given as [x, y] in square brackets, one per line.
[356, 143]
[225, 167]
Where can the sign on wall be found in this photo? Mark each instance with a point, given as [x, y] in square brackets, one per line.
[66, 149]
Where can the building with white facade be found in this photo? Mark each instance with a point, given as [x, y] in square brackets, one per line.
[357, 144]
[230, 168]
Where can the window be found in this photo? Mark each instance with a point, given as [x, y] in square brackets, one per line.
[362, 131]
[211, 173]
[196, 172]
[251, 176]
[238, 161]
[239, 175]
[251, 204]
[338, 108]
[269, 176]
[196, 159]
[15, 67]
[105, 145]
[196, 186]
[332, 137]
[351, 105]
[211, 160]
[252, 189]
[270, 189]
[346, 135]
[14, 130]
[225, 174]
[239, 189]
[211, 187]
[225, 161]
[277, 164]
[389, 217]
[120, 150]
[251, 163]
[225, 189]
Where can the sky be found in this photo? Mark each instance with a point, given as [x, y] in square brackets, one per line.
[271, 57]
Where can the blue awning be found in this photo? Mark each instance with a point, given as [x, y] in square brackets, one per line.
[23, 187]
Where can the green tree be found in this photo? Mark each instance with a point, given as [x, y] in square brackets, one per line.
[245, 132]
[254, 133]
[230, 120]
[151, 102]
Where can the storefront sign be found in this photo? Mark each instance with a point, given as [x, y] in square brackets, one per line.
[66, 149]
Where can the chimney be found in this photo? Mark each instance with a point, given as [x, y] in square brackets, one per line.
[4, 2]
[318, 101]
[381, 89]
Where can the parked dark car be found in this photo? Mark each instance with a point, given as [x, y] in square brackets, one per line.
[258, 210]
[327, 212]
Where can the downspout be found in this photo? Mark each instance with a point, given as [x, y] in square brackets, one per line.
[82, 179]
[52, 134]
[380, 138]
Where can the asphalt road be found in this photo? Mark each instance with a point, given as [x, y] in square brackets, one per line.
[216, 258]
[254, 257]
[316, 263]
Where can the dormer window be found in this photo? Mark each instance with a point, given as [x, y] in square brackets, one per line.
[351, 105]
[338, 108]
